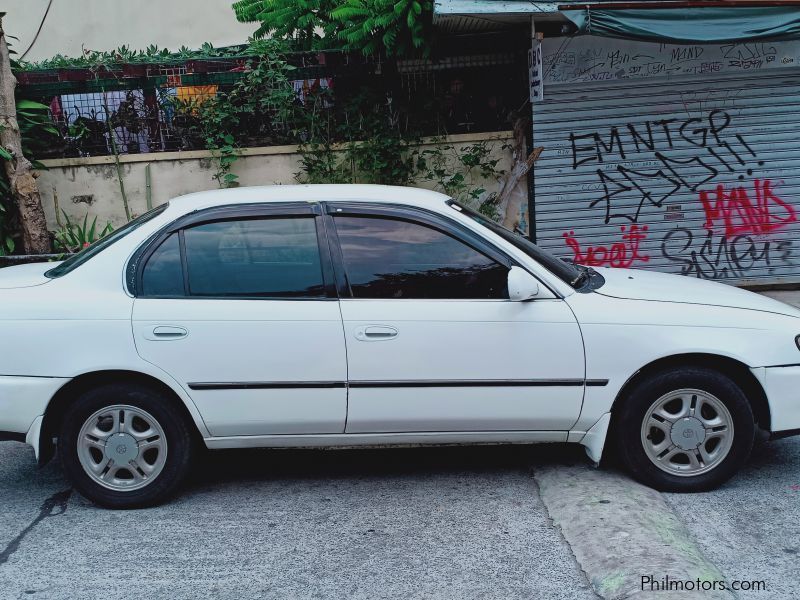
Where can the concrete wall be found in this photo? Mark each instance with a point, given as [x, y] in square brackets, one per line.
[90, 185]
[73, 25]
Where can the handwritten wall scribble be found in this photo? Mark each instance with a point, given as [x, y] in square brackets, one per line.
[733, 214]
[717, 151]
[589, 58]
[620, 254]
[691, 175]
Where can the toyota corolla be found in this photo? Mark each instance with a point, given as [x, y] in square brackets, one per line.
[321, 316]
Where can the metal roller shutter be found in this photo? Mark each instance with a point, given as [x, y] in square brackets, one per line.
[698, 175]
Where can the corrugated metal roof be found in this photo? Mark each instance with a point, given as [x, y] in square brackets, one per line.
[472, 16]
[491, 7]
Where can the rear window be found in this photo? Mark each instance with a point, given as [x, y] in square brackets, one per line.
[254, 258]
[275, 257]
[76, 260]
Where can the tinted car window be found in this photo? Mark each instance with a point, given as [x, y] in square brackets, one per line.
[391, 258]
[163, 274]
[256, 257]
[76, 260]
[563, 270]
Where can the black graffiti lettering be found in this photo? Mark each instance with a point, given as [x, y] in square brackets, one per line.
[665, 124]
[714, 126]
[720, 257]
[721, 160]
[609, 195]
[690, 153]
[597, 148]
[688, 53]
[613, 138]
[648, 143]
[736, 155]
[618, 58]
[744, 51]
[640, 183]
[713, 263]
[750, 253]
[783, 250]
[597, 145]
[575, 149]
[643, 181]
[682, 171]
[703, 131]
[743, 143]
[677, 254]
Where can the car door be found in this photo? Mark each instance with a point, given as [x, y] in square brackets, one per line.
[434, 343]
[238, 304]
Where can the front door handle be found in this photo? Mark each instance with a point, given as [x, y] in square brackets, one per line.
[169, 332]
[375, 333]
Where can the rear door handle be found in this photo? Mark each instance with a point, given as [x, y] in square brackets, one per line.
[168, 332]
[375, 333]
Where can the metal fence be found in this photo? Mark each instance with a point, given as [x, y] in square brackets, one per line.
[148, 108]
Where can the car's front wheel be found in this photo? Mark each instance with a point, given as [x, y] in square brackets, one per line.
[125, 446]
[685, 429]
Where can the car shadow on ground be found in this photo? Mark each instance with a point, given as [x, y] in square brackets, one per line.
[220, 466]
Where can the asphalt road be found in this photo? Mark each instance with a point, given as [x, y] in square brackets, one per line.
[389, 523]
[413, 523]
[750, 528]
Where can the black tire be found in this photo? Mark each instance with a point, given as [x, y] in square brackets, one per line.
[630, 415]
[178, 432]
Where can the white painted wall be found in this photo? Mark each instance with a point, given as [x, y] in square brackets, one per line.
[90, 185]
[72, 25]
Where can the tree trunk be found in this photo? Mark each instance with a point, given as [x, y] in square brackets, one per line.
[513, 188]
[21, 176]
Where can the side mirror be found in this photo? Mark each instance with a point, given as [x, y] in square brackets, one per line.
[522, 285]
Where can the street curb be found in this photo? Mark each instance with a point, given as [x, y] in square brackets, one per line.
[620, 531]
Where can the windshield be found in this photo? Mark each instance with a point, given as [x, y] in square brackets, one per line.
[565, 271]
[76, 260]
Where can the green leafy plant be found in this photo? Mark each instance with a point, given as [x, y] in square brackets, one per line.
[298, 20]
[73, 237]
[127, 56]
[392, 27]
[459, 171]
[356, 141]
[259, 107]
[7, 243]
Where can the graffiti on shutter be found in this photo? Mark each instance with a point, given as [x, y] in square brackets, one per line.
[692, 175]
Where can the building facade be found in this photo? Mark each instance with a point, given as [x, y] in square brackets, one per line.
[678, 157]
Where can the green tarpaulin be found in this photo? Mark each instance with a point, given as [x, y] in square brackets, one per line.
[690, 25]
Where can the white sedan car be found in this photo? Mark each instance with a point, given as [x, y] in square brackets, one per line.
[363, 315]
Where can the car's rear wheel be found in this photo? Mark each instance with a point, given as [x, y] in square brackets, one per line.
[125, 446]
[684, 430]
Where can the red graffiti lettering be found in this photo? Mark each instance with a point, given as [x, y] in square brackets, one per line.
[620, 254]
[741, 216]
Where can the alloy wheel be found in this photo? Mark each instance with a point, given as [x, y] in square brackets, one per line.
[122, 448]
[687, 432]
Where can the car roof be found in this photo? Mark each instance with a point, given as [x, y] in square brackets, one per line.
[308, 193]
